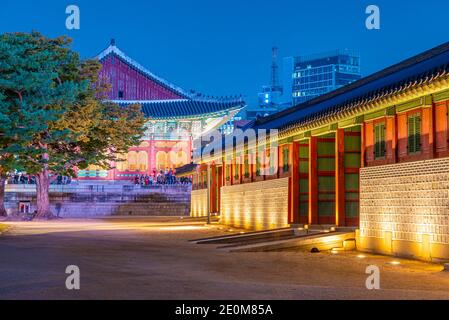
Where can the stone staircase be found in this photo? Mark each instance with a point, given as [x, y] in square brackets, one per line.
[156, 205]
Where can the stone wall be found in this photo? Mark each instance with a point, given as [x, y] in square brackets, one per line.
[105, 200]
[259, 205]
[404, 209]
[198, 207]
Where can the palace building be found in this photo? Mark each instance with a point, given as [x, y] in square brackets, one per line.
[373, 155]
[175, 117]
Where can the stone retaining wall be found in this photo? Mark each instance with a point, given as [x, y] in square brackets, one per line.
[105, 201]
[259, 205]
[199, 203]
[404, 209]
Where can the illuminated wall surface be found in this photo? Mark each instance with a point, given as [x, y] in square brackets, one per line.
[260, 205]
[199, 203]
[404, 209]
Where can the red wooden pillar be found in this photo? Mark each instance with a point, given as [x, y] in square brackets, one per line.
[213, 188]
[390, 139]
[402, 135]
[220, 183]
[427, 132]
[340, 214]
[294, 184]
[369, 143]
[313, 181]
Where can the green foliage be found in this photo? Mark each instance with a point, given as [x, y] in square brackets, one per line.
[51, 112]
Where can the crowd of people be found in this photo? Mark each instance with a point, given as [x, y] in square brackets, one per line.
[166, 177]
[21, 178]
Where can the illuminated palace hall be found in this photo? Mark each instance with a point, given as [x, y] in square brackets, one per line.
[175, 117]
[372, 155]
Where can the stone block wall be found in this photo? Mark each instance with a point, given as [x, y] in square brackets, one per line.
[259, 205]
[103, 200]
[198, 207]
[404, 209]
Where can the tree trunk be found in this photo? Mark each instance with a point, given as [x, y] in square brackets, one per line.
[43, 198]
[2, 197]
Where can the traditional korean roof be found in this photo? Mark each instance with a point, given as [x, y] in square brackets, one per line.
[186, 108]
[186, 170]
[113, 50]
[418, 70]
[189, 106]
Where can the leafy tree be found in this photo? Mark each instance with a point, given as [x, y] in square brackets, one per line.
[53, 111]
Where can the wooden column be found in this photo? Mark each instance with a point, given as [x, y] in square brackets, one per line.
[402, 135]
[294, 184]
[391, 139]
[363, 146]
[313, 181]
[427, 136]
[369, 143]
[221, 181]
[340, 214]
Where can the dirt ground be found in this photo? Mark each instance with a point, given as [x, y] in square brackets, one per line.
[151, 258]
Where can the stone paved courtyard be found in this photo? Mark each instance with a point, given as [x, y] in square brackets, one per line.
[151, 258]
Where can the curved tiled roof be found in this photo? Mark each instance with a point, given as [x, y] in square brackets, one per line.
[188, 106]
[420, 69]
[186, 169]
[184, 108]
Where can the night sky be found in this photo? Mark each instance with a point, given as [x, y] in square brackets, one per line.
[224, 47]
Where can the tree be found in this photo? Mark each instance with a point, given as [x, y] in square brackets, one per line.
[55, 114]
[3, 176]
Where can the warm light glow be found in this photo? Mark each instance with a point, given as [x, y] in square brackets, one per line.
[395, 263]
[361, 256]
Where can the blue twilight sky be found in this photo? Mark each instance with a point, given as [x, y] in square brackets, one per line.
[223, 47]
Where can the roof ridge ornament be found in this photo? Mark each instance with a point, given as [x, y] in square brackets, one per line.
[113, 42]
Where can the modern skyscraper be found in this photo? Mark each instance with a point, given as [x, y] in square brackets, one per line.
[307, 77]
